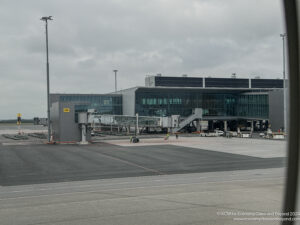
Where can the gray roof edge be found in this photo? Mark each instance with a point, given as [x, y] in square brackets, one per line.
[116, 94]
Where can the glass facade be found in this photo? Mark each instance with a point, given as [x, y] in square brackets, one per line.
[166, 102]
[104, 104]
[253, 106]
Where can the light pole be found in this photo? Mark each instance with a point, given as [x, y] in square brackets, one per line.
[46, 18]
[283, 36]
[115, 79]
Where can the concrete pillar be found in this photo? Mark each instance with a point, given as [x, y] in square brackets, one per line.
[111, 122]
[128, 130]
[252, 125]
[198, 125]
[83, 135]
[225, 125]
[137, 124]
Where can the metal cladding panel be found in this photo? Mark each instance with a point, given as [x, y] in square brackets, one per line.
[266, 83]
[276, 113]
[55, 120]
[82, 118]
[64, 126]
[179, 81]
[227, 82]
[69, 130]
[54, 98]
[128, 101]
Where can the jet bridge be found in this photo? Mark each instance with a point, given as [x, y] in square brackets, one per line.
[121, 123]
[139, 123]
[70, 125]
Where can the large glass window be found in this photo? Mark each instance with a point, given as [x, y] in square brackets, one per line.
[256, 106]
[182, 102]
[105, 104]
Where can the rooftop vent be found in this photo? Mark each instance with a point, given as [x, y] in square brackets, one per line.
[233, 75]
[257, 77]
[158, 75]
[184, 75]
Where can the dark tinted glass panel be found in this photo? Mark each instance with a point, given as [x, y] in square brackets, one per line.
[227, 82]
[253, 106]
[167, 102]
[105, 104]
[179, 81]
[266, 83]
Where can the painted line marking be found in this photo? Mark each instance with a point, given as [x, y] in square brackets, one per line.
[132, 164]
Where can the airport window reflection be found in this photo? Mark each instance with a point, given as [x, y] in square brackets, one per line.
[106, 104]
[166, 103]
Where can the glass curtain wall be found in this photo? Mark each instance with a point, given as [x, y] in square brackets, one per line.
[253, 106]
[103, 104]
[176, 102]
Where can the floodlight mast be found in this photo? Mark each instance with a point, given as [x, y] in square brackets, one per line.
[46, 18]
[283, 36]
[115, 71]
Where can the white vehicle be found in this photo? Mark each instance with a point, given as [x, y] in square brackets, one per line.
[245, 135]
[219, 132]
[216, 133]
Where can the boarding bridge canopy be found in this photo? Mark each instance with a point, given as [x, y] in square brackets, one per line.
[123, 120]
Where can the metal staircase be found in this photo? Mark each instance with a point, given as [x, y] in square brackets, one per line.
[197, 114]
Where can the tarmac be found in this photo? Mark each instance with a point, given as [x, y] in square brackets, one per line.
[261, 148]
[190, 180]
[31, 164]
[215, 198]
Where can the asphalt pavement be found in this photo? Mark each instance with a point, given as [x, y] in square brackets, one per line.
[34, 164]
[189, 199]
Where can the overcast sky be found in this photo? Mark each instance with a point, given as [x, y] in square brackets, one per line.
[88, 39]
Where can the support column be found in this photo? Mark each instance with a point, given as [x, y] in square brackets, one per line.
[137, 124]
[198, 125]
[225, 125]
[128, 130]
[83, 135]
[111, 122]
[252, 126]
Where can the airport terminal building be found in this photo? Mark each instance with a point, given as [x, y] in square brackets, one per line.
[222, 99]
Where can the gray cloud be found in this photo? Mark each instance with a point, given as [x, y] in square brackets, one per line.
[88, 39]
